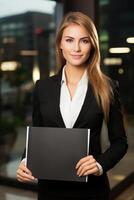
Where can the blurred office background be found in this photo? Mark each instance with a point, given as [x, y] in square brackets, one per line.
[27, 53]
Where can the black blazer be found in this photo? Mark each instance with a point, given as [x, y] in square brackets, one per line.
[46, 112]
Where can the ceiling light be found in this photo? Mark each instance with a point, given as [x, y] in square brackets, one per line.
[113, 61]
[119, 50]
[130, 40]
[28, 53]
[9, 66]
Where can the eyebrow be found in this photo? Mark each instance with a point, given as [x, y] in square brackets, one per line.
[86, 37]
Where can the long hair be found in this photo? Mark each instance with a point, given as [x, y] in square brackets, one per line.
[98, 80]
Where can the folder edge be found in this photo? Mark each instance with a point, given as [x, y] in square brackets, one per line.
[88, 142]
[27, 139]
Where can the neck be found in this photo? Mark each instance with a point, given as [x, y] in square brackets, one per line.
[73, 74]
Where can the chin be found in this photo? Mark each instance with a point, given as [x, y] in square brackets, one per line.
[77, 64]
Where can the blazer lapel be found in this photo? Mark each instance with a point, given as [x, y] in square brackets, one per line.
[56, 101]
[84, 108]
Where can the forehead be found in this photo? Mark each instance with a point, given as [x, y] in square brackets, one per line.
[75, 30]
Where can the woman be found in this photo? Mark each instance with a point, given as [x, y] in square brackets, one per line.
[79, 96]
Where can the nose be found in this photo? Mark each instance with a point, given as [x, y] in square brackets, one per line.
[76, 46]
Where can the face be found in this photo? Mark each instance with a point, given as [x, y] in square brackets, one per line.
[75, 45]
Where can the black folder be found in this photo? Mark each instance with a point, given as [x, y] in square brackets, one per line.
[52, 153]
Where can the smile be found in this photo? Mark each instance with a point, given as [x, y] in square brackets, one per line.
[76, 56]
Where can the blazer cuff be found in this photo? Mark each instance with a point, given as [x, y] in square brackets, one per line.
[24, 160]
[100, 168]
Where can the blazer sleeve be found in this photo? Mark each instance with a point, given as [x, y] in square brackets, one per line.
[116, 133]
[36, 115]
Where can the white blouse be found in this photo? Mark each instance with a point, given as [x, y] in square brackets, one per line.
[70, 108]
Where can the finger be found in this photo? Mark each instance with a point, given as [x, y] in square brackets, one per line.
[25, 169]
[81, 167]
[85, 168]
[91, 171]
[83, 160]
[89, 162]
[19, 178]
[24, 178]
[24, 175]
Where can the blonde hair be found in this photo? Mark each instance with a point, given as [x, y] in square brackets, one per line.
[99, 81]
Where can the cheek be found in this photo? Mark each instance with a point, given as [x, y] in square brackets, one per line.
[87, 51]
[65, 51]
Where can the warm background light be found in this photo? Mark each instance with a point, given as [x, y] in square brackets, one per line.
[130, 40]
[9, 66]
[9, 40]
[119, 50]
[113, 61]
[28, 53]
[36, 73]
[121, 71]
[52, 72]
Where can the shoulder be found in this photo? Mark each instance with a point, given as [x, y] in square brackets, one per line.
[47, 82]
[116, 99]
[114, 84]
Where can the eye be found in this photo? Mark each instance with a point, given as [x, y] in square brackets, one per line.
[85, 41]
[69, 40]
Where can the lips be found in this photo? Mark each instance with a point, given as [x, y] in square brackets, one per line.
[76, 56]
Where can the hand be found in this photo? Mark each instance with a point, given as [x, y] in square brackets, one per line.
[87, 166]
[24, 174]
